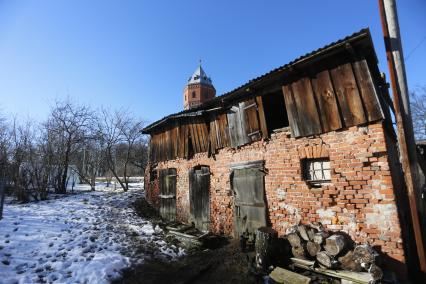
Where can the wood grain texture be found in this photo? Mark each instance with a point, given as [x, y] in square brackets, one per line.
[348, 95]
[368, 91]
[327, 103]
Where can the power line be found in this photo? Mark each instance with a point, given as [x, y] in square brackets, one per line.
[414, 49]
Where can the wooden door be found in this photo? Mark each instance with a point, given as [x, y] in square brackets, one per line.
[168, 194]
[250, 209]
[199, 188]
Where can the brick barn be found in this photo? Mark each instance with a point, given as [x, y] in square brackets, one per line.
[309, 141]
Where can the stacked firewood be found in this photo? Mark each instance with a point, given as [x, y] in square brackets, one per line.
[332, 250]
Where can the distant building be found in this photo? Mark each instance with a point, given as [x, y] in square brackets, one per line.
[198, 90]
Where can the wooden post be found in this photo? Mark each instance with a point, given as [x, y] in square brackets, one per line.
[406, 140]
[265, 247]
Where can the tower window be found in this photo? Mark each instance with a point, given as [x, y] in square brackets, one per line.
[194, 95]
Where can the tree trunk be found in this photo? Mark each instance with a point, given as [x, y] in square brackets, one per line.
[335, 244]
[265, 247]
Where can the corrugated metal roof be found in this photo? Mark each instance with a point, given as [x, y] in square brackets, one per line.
[362, 34]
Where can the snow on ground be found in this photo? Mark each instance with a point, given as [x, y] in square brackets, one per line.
[88, 237]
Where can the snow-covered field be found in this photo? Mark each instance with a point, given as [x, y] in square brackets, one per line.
[88, 237]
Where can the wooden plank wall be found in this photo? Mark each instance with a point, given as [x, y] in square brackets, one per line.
[332, 99]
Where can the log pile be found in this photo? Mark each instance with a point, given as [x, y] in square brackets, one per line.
[332, 250]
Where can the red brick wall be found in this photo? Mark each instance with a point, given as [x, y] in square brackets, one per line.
[360, 199]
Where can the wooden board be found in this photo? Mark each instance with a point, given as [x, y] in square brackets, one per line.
[368, 91]
[284, 276]
[291, 111]
[302, 109]
[262, 120]
[348, 96]
[326, 99]
[355, 277]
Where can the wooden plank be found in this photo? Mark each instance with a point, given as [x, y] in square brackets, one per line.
[186, 137]
[243, 127]
[194, 137]
[368, 91]
[308, 117]
[224, 135]
[348, 95]
[327, 103]
[233, 126]
[284, 276]
[251, 120]
[205, 136]
[290, 105]
[212, 136]
[262, 120]
[355, 277]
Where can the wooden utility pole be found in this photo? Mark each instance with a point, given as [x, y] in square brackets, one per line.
[407, 145]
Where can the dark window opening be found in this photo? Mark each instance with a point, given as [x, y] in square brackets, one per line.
[154, 175]
[316, 171]
[190, 148]
[275, 111]
[194, 94]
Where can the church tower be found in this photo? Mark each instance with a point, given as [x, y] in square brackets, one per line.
[198, 89]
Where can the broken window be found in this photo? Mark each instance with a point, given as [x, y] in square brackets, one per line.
[316, 171]
[275, 111]
[243, 123]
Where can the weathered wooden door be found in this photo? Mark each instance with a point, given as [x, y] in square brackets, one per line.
[168, 194]
[248, 186]
[199, 188]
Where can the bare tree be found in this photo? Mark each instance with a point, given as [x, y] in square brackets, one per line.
[418, 112]
[67, 126]
[120, 133]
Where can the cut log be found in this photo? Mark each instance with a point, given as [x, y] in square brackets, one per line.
[334, 244]
[347, 262]
[302, 229]
[265, 247]
[311, 233]
[313, 248]
[317, 226]
[294, 240]
[375, 272]
[326, 260]
[320, 237]
[365, 255]
[298, 252]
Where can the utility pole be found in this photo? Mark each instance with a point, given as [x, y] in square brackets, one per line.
[407, 145]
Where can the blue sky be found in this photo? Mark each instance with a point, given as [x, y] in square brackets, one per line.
[139, 54]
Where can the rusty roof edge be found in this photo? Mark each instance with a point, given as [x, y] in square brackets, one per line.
[363, 33]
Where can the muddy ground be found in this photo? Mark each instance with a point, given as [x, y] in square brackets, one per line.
[221, 262]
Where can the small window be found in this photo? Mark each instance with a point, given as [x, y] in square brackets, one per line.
[275, 111]
[316, 171]
[194, 94]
